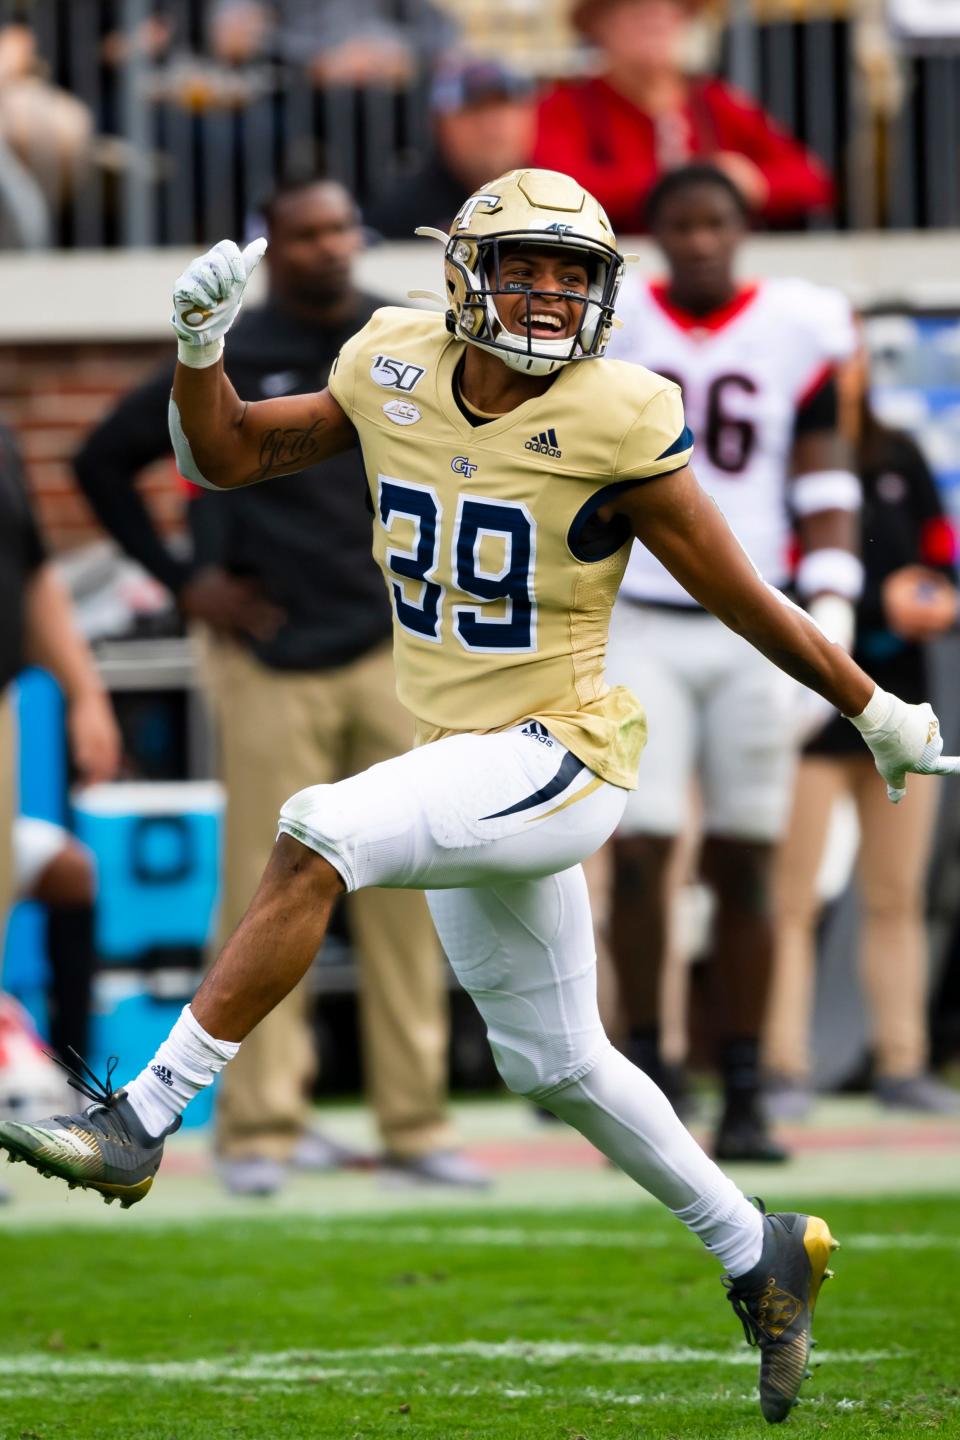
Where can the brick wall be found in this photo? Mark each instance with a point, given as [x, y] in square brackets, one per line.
[52, 395]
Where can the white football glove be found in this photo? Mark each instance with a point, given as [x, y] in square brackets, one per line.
[903, 738]
[207, 299]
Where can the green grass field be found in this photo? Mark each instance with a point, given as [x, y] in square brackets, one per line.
[492, 1324]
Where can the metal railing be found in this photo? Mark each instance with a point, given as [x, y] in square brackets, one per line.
[183, 147]
[887, 125]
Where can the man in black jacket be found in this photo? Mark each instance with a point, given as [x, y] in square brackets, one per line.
[301, 677]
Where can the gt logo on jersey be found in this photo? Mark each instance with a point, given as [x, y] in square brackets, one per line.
[460, 465]
[490, 203]
[394, 374]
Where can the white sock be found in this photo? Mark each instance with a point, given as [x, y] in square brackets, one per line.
[731, 1232]
[187, 1062]
[621, 1111]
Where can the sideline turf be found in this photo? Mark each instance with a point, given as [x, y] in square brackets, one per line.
[85, 1312]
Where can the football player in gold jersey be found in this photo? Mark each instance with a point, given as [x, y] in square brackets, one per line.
[510, 465]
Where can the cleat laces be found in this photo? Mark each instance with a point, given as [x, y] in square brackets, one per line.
[763, 1313]
[101, 1092]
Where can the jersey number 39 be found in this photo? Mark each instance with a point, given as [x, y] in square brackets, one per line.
[503, 619]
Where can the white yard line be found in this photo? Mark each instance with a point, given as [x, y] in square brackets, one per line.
[902, 1242]
[512, 1237]
[415, 1391]
[307, 1367]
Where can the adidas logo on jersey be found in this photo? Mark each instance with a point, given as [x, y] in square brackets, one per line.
[545, 444]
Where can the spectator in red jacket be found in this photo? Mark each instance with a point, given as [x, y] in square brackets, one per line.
[618, 131]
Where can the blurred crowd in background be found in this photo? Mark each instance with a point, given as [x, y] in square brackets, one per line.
[164, 121]
[135, 122]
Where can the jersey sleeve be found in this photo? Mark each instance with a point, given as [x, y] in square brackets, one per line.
[342, 380]
[658, 441]
[837, 326]
[822, 334]
[820, 409]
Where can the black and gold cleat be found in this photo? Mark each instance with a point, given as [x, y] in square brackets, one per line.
[775, 1302]
[103, 1148]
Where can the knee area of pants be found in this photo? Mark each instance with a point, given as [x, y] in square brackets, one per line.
[308, 807]
[534, 1073]
[318, 811]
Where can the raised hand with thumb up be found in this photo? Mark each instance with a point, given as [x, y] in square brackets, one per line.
[207, 299]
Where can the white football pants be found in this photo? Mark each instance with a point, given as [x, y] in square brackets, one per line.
[494, 828]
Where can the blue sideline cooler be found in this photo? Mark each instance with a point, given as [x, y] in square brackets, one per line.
[157, 847]
[132, 1014]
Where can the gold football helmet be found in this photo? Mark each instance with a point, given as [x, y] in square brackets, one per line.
[536, 208]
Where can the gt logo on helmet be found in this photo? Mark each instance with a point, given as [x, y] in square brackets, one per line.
[490, 203]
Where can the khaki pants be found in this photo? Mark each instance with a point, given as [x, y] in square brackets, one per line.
[279, 732]
[892, 865]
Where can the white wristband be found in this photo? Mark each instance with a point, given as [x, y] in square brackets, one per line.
[835, 618]
[836, 570]
[876, 712]
[198, 357]
[824, 490]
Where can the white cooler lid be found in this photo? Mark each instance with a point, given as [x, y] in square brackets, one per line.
[150, 797]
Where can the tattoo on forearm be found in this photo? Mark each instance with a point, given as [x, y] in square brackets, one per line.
[282, 448]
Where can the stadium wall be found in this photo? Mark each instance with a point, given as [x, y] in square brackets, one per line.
[52, 393]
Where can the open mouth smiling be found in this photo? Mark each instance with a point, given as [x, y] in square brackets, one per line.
[546, 324]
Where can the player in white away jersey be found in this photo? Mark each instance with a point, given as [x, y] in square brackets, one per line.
[755, 363]
[509, 465]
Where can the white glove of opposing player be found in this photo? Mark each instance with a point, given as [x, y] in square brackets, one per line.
[207, 299]
[903, 738]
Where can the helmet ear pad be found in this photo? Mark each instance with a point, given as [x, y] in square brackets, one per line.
[595, 318]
